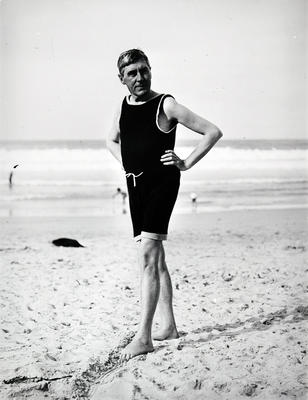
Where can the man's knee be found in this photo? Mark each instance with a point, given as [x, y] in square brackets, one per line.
[150, 252]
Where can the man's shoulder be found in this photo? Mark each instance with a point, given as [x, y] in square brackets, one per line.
[169, 104]
[117, 112]
[119, 105]
[168, 99]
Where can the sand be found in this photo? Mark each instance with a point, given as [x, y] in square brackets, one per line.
[240, 300]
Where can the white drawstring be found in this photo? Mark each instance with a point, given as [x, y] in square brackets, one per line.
[134, 176]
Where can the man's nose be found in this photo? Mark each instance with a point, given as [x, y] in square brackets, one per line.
[139, 76]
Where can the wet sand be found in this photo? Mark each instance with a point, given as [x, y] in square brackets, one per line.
[240, 298]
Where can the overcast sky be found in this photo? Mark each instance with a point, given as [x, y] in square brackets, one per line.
[239, 63]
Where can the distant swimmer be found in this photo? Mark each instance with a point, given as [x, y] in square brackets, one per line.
[124, 195]
[193, 198]
[11, 176]
[121, 193]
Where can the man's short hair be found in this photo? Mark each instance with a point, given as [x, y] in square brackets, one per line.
[131, 56]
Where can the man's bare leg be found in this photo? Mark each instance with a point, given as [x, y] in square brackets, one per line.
[149, 251]
[168, 327]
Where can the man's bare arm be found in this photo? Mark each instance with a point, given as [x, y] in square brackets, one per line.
[113, 139]
[177, 112]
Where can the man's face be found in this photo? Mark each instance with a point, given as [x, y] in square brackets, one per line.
[137, 77]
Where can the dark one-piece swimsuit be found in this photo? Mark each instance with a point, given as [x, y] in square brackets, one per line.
[152, 187]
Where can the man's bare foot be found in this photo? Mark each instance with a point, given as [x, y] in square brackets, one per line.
[135, 348]
[166, 334]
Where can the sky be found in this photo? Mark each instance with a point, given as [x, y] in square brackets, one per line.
[242, 64]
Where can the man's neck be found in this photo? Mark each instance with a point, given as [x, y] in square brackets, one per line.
[143, 99]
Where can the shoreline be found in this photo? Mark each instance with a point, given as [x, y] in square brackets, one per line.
[180, 209]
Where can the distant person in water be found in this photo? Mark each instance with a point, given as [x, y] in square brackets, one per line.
[121, 193]
[142, 139]
[11, 176]
[124, 195]
[193, 198]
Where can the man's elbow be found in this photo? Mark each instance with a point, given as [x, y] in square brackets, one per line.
[216, 133]
[219, 134]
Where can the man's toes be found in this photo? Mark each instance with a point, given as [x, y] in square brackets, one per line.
[125, 357]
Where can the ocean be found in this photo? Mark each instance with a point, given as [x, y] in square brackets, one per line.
[67, 178]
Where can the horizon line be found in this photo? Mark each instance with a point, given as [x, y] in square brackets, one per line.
[179, 140]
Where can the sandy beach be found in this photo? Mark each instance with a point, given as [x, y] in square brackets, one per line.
[240, 299]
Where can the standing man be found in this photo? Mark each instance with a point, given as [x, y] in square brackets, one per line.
[142, 139]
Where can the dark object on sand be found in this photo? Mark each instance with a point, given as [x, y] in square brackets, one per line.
[65, 242]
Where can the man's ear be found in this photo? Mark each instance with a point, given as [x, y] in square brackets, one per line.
[121, 78]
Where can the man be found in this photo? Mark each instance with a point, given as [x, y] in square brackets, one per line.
[122, 193]
[142, 139]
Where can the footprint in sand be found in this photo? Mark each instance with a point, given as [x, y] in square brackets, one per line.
[227, 277]
[293, 247]
[249, 390]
